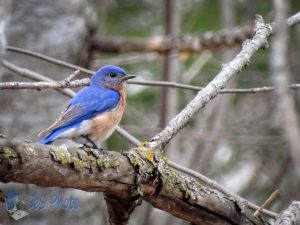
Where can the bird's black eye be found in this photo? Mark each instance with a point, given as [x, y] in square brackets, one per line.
[112, 74]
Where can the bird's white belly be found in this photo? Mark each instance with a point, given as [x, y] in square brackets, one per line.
[83, 129]
[99, 128]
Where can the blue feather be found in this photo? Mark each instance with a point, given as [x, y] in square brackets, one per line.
[50, 137]
[90, 102]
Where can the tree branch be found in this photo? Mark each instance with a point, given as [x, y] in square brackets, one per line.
[127, 175]
[86, 81]
[262, 32]
[183, 43]
[48, 59]
[290, 216]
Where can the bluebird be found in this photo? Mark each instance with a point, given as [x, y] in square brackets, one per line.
[95, 111]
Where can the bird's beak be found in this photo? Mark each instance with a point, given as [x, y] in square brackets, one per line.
[127, 77]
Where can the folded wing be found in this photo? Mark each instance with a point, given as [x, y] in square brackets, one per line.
[87, 103]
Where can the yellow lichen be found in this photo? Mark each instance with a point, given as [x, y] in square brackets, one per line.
[143, 144]
[8, 152]
[104, 163]
[147, 154]
[79, 164]
[61, 155]
[116, 163]
[164, 159]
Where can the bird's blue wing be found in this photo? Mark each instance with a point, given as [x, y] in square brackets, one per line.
[86, 104]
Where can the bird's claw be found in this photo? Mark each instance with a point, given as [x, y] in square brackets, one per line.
[97, 152]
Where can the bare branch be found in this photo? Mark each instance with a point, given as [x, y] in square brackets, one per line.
[262, 32]
[48, 59]
[68, 79]
[33, 76]
[272, 197]
[183, 43]
[294, 20]
[45, 85]
[86, 81]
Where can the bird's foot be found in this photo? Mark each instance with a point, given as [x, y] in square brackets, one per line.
[97, 152]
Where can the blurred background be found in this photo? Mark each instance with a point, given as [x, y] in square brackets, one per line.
[233, 140]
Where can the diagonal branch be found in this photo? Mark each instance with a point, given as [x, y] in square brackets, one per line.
[262, 32]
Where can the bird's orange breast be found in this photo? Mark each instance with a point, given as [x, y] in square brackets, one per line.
[105, 124]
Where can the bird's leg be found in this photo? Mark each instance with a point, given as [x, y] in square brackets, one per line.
[94, 146]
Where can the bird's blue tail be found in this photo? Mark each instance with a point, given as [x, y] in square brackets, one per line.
[55, 133]
[50, 137]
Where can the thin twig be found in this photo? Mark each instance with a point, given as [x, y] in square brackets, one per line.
[45, 85]
[86, 81]
[48, 59]
[68, 79]
[34, 76]
[272, 197]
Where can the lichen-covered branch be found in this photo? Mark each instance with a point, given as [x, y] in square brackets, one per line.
[290, 216]
[65, 167]
[125, 176]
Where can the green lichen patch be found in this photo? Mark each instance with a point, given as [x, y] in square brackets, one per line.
[108, 161]
[142, 160]
[173, 181]
[84, 159]
[80, 164]
[115, 163]
[137, 192]
[144, 144]
[147, 153]
[133, 157]
[60, 154]
[7, 152]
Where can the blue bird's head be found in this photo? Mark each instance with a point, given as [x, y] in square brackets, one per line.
[110, 77]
